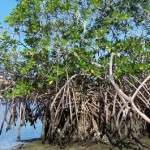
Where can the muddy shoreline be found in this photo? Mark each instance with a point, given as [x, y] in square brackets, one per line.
[130, 145]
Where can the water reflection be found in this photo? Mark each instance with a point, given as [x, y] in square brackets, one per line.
[9, 139]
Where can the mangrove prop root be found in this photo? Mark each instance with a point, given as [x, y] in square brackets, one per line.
[85, 109]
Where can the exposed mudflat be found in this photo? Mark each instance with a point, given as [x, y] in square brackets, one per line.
[128, 145]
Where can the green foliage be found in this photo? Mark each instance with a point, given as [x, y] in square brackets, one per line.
[55, 39]
[21, 89]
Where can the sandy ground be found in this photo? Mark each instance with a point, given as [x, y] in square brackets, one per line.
[36, 145]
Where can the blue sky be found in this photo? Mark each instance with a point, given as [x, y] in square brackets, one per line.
[6, 6]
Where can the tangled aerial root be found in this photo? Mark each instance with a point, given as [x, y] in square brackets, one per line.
[85, 109]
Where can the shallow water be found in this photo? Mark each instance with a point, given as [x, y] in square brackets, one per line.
[8, 140]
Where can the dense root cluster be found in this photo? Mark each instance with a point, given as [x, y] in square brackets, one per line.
[84, 109]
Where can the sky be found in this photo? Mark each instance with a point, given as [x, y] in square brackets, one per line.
[6, 6]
